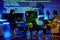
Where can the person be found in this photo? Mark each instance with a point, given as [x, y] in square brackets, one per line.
[47, 13]
[46, 22]
[53, 24]
[30, 23]
[55, 20]
[41, 12]
[12, 20]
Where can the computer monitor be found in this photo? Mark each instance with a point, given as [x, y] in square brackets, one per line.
[8, 16]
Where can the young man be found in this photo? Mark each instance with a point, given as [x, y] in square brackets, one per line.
[30, 22]
[12, 19]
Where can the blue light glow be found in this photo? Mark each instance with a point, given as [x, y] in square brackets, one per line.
[7, 34]
[40, 32]
[40, 16]
[2, 20]
[41, 22]
[6, 23]
[28, 33]
[45, 16]
[0, 15]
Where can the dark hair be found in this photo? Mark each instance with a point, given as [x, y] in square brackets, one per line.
[47, 12]
[55, 12]
[12, 10]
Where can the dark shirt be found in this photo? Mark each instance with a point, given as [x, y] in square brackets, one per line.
[12, 20]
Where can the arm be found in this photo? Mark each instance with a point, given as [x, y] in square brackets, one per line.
[54, 23]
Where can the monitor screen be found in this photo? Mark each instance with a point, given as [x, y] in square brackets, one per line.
[19, 16]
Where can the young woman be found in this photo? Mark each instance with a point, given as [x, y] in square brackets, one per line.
[53, 25]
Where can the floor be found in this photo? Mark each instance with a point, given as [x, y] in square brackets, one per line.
[21, 36]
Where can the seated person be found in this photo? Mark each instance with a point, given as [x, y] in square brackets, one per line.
[53, 25]
[12, 20]
[55, 20]
[30, 23]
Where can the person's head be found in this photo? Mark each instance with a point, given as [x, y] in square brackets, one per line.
[12, 11]
[55, 13]
[47, 12]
